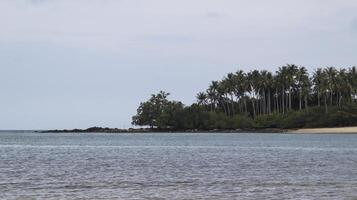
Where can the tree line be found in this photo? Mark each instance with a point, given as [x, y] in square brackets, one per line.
[251, 96]
[289, 88]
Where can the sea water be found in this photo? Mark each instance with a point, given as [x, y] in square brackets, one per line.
[177, 166]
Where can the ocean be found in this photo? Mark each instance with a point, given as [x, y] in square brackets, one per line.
[177, 166]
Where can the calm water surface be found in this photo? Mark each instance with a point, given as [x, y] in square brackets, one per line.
[177, 166]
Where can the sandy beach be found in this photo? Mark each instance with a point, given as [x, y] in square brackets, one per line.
[326, 130]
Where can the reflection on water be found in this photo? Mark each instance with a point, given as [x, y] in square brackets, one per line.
[177, 166]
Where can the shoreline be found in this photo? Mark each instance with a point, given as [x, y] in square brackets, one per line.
[330, 130]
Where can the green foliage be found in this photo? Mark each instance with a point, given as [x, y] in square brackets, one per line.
[313, 118]
[150, 113]
[243, 122]
[269, 121]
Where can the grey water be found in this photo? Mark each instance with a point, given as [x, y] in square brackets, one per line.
[177, 166]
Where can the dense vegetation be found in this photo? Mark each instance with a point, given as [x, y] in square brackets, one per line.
[288, 98]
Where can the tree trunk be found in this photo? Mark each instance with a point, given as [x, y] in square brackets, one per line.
[264, 103]
[282, 100]
[274, 103]
[326, 103]
[228, 109]
[269, 103]
[239, 105]
[318, 98]
[287, 102]
[306, 103]
[277, 108]
[253, 104]
[232, 104]
[290, 99]
[277, 100]
[261, 105]
[300, 99]
[224, 108]
[245, 105]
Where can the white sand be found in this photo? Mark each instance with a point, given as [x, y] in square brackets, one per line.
[326, 130]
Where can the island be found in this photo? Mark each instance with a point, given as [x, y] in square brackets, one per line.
[288, 100]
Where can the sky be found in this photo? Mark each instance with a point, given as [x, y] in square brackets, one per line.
[83, 63]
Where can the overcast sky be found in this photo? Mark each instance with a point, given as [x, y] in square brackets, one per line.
[80, 63]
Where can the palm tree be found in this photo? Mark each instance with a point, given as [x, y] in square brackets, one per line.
[266, 79]
[282, 82]
[254, 88]
[222, 99]
[325, 87]
[306, 91]
[240, 89]
[317, 80]
[352, 78]
[342, 86]
[269, 85]
[230, 88]
[302, 85]
[263, 86]
[211, 97]
[292, 71]
[201, 98]
[331, 73]
[213, 94]
[276, 87]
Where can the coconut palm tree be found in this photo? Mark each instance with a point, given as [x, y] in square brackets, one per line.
[266, 79]
[302, 85]
[222, 96]
[282, 82]
[269, 80]
[317, 80]
[331, 73]
[213, 94]
[352, 78]
[342, 86]
[201, 98]
[254, 89]
[263, 87]
[240, 89]
[325, 87]
[275, 88]
[292, 71]
[230, 89]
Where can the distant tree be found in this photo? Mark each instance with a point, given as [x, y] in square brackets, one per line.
[149, 112]
[201, 98]
[331, 73]
[317, 80]
[352, 79]
[303, 86]
[171, 116]
[212, 93]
